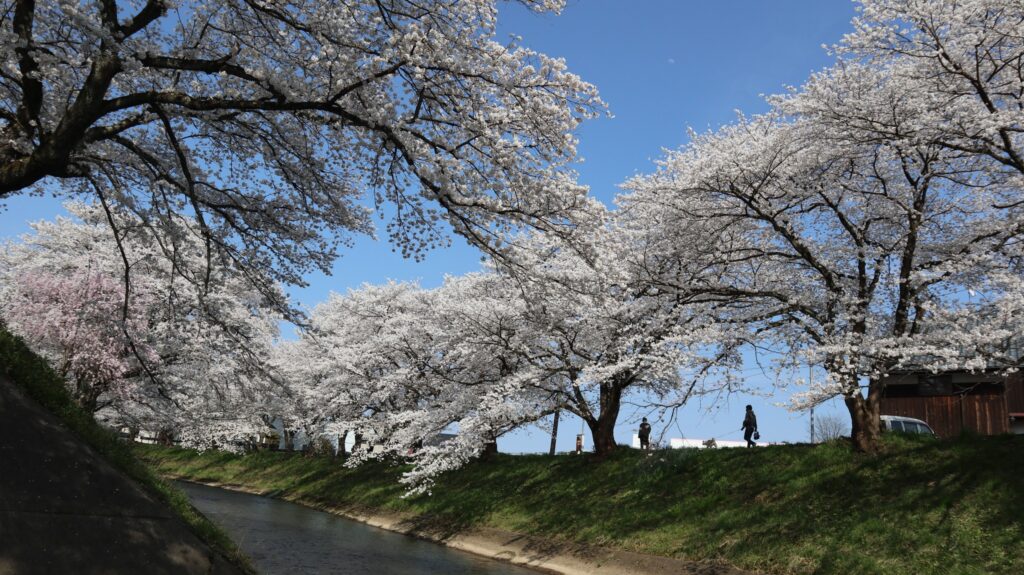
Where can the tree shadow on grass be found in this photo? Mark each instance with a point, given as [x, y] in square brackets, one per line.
[823, 505]
[919, 507]
[798, 508]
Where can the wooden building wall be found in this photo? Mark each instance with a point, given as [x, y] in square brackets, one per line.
[1015, 393]
[950, 415]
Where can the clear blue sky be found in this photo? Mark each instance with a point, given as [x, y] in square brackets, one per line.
[663, 66]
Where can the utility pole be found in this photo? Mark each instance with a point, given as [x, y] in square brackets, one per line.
[579, 439]
[810, 378]
[554, 433]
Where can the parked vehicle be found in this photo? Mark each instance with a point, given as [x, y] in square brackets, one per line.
[902, 424]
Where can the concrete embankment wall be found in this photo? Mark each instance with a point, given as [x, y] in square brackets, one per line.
[63, 509]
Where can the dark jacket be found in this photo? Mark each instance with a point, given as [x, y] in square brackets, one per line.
[645, 429]
[750, 421]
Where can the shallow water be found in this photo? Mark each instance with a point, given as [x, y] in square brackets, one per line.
[286, 538]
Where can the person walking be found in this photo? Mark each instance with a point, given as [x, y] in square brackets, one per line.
[645, 435]
[750, 427]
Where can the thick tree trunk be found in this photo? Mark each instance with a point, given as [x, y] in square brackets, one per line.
[603, 428]
[490, 449]
[87, 396]
[865, 424]
[87, 402]
[165, 437]
[604, 436]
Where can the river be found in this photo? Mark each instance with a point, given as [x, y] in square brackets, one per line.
[287, 538]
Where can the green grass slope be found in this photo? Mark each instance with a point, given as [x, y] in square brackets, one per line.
[923, 506]
[32, 374]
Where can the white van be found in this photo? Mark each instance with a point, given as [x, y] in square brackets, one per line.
[905, 424]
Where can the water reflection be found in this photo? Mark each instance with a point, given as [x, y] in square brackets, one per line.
[285, 538]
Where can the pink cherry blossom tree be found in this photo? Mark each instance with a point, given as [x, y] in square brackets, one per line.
[76, 321]
[138, 342]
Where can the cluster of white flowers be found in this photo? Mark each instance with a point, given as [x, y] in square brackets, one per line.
[270, 121]
[144, 348]
[872, 221]
[492, 351]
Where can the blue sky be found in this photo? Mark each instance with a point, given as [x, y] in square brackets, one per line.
[662, 66]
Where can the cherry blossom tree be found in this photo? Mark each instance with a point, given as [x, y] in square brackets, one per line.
[391, 368]
[491, 351]
[275, 123]
[601, 333]
[861, 257]
[956, 70]
[871, 221]
[74, 320]
[165, 349]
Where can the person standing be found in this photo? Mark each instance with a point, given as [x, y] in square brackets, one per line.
[645, 435]
[750, 427]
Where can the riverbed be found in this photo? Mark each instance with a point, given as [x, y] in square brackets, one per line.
[286, 538]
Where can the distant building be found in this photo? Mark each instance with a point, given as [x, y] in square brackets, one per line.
[985, 403]
[147, 436]
[680, 443]
[434, 441]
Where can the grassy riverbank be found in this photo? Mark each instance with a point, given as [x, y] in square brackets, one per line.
[921, 507]
[32, 374]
